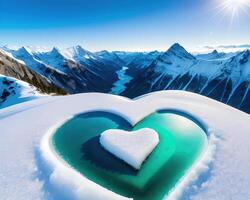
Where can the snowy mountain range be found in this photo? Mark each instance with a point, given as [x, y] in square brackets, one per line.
[221, 76]
[74, 70]
[217, 75]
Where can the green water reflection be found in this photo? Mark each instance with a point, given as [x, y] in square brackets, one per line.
[181, 142]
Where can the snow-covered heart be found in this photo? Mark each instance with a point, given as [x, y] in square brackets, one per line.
[72, 149]
[132, 147]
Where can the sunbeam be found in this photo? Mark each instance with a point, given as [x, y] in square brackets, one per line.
[234, 8]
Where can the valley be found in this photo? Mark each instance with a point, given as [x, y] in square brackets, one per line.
[222, 76]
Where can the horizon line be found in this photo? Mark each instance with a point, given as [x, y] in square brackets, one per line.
[205, 48]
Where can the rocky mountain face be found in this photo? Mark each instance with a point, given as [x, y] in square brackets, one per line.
[12, 68]
[224, 79]
[73, 70]
[221, 76]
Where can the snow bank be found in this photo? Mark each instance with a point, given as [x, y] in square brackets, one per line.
[221, 173]
[66, 180]
[132, 147]
[198, 174]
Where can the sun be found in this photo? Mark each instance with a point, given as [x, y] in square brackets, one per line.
[235, 7]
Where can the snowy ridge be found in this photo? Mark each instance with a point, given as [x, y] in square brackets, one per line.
[73, 69]
[77, 54]
[13, 91]
[225, 78]
[215, 55]
[218, 75]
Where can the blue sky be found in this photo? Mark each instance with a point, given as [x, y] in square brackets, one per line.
[120, 24]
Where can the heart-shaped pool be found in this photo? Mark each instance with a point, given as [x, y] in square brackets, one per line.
[182, 140]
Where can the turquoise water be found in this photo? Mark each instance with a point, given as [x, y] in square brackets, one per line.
[181, 142]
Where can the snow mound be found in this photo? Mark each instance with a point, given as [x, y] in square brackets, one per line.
[221, 174]
[132, 147]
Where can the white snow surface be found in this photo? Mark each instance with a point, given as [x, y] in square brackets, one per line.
[28, 172]
[18, 91]
[132, 147]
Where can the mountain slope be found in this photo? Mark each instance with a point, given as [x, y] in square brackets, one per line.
[13, 68]
[226, 80]
[221, 76]
[13, 91]
[69, 69]
[160, 72]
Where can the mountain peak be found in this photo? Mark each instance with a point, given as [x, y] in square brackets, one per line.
[215, 52]
[104, 52]
[77, 53]
[247, 51]
[177, 50]
[55, 51]
[78, 47]
[78, 50]
[176, 46]
[24, 51]
[245, 56]
[154, 52]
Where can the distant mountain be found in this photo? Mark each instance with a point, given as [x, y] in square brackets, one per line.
[13, 68]
[221, 76]
[127, 57]
[140, 61]
[74, 70]
[226, 80]
[215, 55]
[111, 57]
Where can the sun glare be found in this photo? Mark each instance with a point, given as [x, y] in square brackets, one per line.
[235, 5]
[234, 8]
